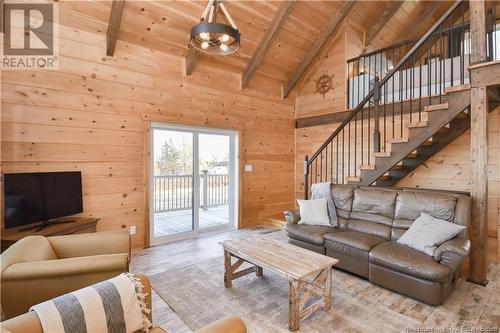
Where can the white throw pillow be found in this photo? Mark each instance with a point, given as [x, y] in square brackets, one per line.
[314, 212]
[427, 233]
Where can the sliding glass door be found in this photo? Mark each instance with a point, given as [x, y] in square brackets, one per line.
[193, 181]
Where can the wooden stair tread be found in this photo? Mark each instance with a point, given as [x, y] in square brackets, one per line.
[462, 115]
[443, 130]
[367, 167]
[427, 143]
[384, 177]
[457, 88]
[411, 155]
[354, 179]
[399, 140]
[382, 154]
[397, 167]
[417, 124]
[436, 107]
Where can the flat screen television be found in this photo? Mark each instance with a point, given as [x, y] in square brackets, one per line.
[41, 197]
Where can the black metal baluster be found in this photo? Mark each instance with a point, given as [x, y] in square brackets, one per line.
[349, 150]
[401, 100]
[326, 163]
[462, 42]
[337, 169]
[429, 69]
[362, 141]
[357, 81]
[331, 161]
[420, 89]
[393, 97]
[444, 61]
[369, 109]
[355, 143]
[321, 167]
[452, 49]
[412, 76]
[315, 170]
[343, 156]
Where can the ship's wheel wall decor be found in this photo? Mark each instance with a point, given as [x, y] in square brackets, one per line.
[324, 84]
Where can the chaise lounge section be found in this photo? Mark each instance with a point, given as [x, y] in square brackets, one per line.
[372, 220]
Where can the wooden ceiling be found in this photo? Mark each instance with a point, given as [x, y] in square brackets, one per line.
[165, 26]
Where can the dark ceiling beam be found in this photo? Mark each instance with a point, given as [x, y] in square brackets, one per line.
[381, 22]
[331, 27]
[115, 18]
[190, 61]
[266, 41]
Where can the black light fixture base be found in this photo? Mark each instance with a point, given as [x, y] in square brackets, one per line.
[214, 31]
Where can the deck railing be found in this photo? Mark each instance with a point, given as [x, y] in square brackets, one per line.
[175, 192]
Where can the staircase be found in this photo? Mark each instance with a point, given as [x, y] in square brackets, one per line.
[416, 109]
[445, 122]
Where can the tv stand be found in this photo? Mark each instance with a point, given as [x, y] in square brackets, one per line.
[75, 225]
[40, 226]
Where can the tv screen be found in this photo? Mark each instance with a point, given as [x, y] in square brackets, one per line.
[37, 197]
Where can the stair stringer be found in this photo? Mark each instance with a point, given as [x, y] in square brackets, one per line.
[458, 102]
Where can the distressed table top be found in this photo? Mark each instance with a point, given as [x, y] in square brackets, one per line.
[288, 260]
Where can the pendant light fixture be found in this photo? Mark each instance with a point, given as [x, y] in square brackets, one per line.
[212, 37]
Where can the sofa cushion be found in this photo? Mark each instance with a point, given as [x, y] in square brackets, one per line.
[374, 201]
[313, 234]
[427, 233]
[409, 206]
[342, 197]
[314, 212]
[406, 260]
[354, 243]
[372, 211]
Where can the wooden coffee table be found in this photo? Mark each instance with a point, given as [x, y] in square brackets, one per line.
[309, 274]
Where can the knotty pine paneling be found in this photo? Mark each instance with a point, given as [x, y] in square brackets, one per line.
[449, 169]
[92, 113]
[332, 62]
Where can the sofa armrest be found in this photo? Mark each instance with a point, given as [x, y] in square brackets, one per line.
[82, 245]
[66, 267]
[457, 246]
[27, 322]
[292, 216]
[225, 325]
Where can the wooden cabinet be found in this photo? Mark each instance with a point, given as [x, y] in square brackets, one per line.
[79, 225]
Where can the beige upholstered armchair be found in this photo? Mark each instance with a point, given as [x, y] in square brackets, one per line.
[38, 268]
[28, 322]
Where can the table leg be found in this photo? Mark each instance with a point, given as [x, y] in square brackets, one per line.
[258, 270]
[228, 278]
[293, 305]
[328, 289]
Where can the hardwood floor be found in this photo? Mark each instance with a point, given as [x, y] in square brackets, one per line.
[170, 223]
[170, 256]
[160, 258]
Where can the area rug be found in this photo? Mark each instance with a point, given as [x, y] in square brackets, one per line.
[197, 294]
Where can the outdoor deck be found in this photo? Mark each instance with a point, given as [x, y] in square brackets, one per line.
[169, 223]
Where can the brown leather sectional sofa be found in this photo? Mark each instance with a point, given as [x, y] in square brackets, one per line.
[371, 220]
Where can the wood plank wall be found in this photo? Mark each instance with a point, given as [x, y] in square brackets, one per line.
[93, 115]
[447, 170]
[331, 62]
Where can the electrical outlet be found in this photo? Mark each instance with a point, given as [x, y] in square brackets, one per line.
[248, 168]
[132, 230]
